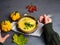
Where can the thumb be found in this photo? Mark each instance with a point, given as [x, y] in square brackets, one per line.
[6, 36]
[49, 19]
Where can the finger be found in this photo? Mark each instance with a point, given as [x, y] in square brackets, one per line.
[41, 18]
[6, 36]
[49, 19]
[0, 32]
[45, 18]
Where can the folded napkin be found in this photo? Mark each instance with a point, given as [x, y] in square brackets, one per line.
[36, 33]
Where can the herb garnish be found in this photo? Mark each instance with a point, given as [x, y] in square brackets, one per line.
[28, 25]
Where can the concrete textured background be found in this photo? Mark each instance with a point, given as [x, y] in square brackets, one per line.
[44, 6]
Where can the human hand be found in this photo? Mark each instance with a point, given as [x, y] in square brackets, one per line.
[45, 19]
[2, 39]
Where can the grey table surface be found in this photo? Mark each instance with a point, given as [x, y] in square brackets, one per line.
[44, 6]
